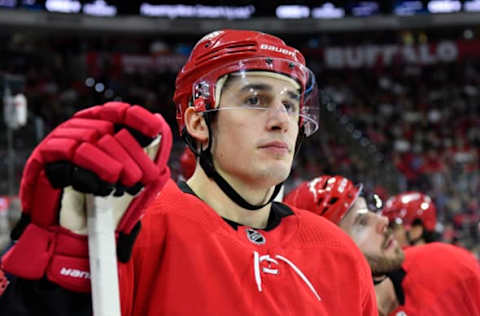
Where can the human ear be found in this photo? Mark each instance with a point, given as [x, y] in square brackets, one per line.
[196, 125]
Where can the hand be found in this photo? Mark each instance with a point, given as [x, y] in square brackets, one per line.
[109, 148]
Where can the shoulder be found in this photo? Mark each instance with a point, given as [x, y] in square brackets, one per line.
[439, 250]
[177, 209]
[169, 196]
[172, 199]
[442, 278]
[317, 231]
[447, 259]
[337, 251]
[459, 255]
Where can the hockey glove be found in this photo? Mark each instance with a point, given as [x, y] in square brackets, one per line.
[115, 148]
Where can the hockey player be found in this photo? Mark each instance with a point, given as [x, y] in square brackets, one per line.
[413, 217]
[216, 244]
[435, 279]
[430, 280]
[340, 201]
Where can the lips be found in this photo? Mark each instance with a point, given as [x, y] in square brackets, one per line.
[276, 145]
[388, 242]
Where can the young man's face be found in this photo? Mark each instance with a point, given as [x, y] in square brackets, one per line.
[255, 133]
[371, 234]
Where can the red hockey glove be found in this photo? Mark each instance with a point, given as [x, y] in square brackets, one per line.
[114, 147]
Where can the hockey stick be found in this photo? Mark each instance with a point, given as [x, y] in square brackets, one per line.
[102, 249]
[103, 258]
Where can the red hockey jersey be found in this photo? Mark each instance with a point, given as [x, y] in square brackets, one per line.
[187, 260]
[440, 280]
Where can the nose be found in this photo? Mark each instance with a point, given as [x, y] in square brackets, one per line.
[382, 223]
[278, 117]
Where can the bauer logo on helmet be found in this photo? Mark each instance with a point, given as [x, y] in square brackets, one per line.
[277, 49]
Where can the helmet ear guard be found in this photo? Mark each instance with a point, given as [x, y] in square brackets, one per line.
[200, 104]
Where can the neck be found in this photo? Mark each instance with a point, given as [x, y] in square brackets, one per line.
[386, 298]
[207, 190]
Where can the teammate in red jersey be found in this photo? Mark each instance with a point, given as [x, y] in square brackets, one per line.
[433, 279]
[340, 201]
[217, 244]
[413, 217]
[437, 279]
[440, 276]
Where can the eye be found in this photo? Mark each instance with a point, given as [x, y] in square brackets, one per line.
[257, 100]
[290, 107]
[252, 100]
[363, 221]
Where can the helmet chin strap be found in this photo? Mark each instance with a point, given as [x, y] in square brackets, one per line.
[207, 165]
[206, 162]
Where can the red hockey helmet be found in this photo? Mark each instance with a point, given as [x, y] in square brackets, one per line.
[187, 163]
[409, 206]
[327, 196]
[236, 51]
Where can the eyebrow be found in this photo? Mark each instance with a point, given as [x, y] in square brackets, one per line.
[256, 86]
[293, 95]
[266, 87]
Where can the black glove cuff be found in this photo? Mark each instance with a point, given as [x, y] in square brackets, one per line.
[125, 243]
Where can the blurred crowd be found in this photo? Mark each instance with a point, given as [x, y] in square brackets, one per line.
[404, 127]
[426, 122]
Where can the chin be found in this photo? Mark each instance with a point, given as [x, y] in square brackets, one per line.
[281, 173]
[274, 176]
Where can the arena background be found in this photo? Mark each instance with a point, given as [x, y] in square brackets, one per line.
[399, 82]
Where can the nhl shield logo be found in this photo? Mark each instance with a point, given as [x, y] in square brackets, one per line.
[255, 237]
